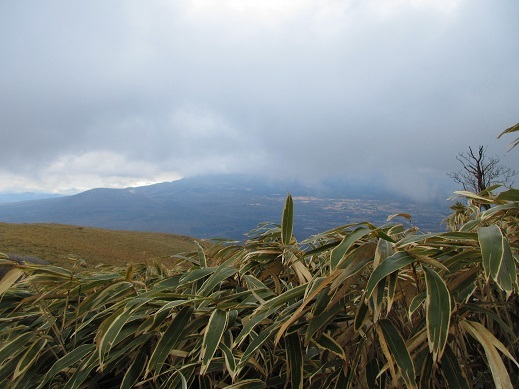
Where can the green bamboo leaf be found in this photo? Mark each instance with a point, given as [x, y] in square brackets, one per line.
[68, 360]
[391, 290]
[399, 351]
[507, 273]
[110, 292]
[201, 255]
[230, 362]
[169, 339]
[29, 357]
[135, 371]
[258, 341]
[311, 292]
[82, 372]
[109, 330]
[388, 266]
[221, 273]
[326, 342]
[416, 302]
[361, 315]
[438, 312]
[213, 334]
[452, 370]
[491, 345]
[282, 299]
[248, 384]
[491, 242]
[463, 284]
[14, 346]
[287, 221]
[427, 372]
[250, 323]
[294, 353]
[508, 195]
[320, 321]
[196, 274]
[338, 252]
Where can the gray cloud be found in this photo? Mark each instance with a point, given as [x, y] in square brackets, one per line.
[122, 92]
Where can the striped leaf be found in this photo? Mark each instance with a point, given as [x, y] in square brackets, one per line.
[67, 361]
[169, 339]
[391, 264]
[399, 351]
[438, 312]
[230, 361]
[247, 384]
[213, 334]
[491, 242]
[29, 358]
[201, 255]
[221, 273]
[287, 221]
[134, 372]
[326, 342]
[507, 273]
[294, 353]
[497, 258]
[338, 252]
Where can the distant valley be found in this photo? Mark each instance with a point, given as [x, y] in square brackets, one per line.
[223, 207]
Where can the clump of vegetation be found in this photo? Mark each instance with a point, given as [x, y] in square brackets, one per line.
[357, 306]
[19, 259]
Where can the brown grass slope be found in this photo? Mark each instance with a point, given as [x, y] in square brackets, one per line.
[58, 243]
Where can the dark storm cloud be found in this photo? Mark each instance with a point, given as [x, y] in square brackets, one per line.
[111, 93]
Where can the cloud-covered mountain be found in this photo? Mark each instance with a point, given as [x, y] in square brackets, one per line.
[222, 206]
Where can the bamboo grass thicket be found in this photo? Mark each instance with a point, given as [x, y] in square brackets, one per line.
[359, 306]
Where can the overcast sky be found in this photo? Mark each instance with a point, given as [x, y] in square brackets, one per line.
[123, 93]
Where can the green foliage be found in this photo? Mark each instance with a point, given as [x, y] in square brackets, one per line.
[356, 306]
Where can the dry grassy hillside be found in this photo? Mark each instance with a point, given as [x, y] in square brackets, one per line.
[57, 243]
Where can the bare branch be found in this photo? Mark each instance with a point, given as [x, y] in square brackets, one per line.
[480, 171]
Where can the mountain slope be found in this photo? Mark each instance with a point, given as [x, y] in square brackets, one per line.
[220, 206]
[56, 243]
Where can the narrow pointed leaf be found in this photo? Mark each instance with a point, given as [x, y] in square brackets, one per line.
[507, 273]
[399, 351]
[213, 334]
[438, 312]
[135, 371]
[294, 352]
[391, 264]
[247, 384]
[221, 273]
[287, 221]
[230, 361]
[201, 255]
[29, 357]
[491, 242]
[326, 342]
[169, 339]
[338, 252]
[71, 358]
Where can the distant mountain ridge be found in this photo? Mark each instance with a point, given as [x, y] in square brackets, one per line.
[25, 196]
[221, 206]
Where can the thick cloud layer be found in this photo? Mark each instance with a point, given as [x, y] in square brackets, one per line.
[127, 92]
